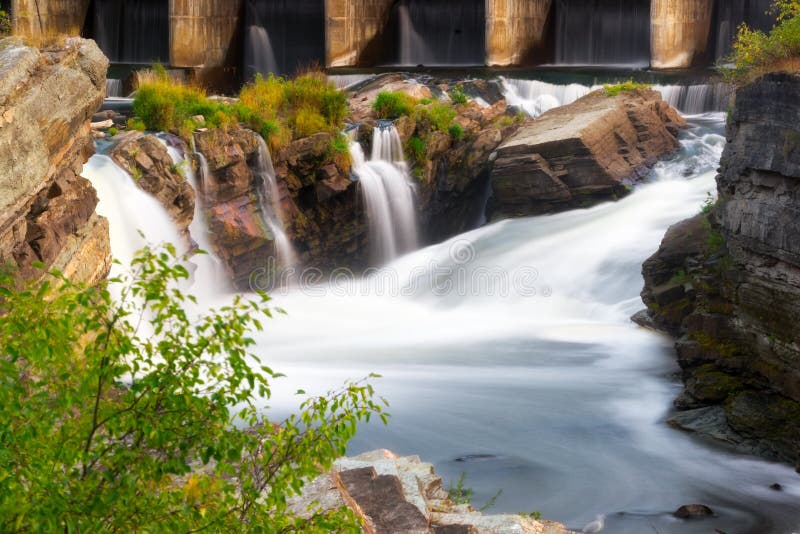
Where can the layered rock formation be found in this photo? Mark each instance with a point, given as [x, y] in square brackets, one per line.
[727, 282]
[395, 494]
[47, 213]
[581, 153]
[147, 160]
[318, 204]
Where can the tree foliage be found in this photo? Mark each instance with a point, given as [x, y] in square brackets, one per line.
[117, 413]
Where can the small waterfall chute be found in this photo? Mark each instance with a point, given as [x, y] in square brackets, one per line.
[699, 98]
[388, 195]
[271, 209]
[537, 97]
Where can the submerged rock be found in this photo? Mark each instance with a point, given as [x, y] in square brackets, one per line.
[583, 152]
[47, 99]
[693, 511]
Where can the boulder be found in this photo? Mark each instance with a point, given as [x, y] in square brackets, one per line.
[583, 152]
[693, 511]
[47, 99]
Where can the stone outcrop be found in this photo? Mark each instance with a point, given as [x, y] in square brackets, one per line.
[147, 160]
[581, 153]
[47, 213]
[395, 494]
[318, 204]
[727, 283]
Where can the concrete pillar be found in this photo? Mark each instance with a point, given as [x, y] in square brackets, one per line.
[351, 26]
[48, 18]
[679, 32]
[516, 31]
[203, 32]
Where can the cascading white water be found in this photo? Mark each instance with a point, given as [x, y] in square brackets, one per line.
[271, 207]
[345, 81]
[261, 58]
[537, 97]
[694, 99]
[388, 195]
[514, 342]
[114, 88]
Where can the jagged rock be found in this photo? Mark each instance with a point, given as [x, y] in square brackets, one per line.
[728, 284]
[403, 494]
[47, 99]
[146, 159]
[583, 152]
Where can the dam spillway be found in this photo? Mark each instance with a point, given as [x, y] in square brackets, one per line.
[282, 36]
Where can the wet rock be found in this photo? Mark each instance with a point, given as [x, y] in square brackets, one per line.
[776, 487]
[146, 159]
[693, 511]
[583, 152]
[727, 283]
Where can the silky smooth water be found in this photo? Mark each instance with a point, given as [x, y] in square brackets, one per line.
[507, 353]
[514, 341]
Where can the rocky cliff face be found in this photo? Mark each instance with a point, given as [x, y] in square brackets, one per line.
[728, 282]
[578, 154]
[47, 99]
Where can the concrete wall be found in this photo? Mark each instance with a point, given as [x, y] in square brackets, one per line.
[203, 32]
[49, 17]
[351, 26]
[516, 31]
[679, 32]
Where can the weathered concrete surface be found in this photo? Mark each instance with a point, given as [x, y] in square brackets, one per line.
[517, 31]
[46, 208]
[48, 18]
[728, 284]
[352, 25]
[679, 32]
[581, 153]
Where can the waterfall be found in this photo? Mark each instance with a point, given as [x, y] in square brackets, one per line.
[282, 36]
[132, 31]
[114, 88]
[694, 99]
[438, 32]
[271, 208]
[388, 195]
[602, 32]
[537, 97]
[347, 81]
[730, 14]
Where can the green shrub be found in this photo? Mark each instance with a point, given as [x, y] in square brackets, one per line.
[391, 105]
[113, 131]
[6, 27]
[436, 116]
[106, 429]
[456, 132]
[630, 85]
[756, 52]
[417, 149]
[457, 95]
[307, 122]
[339, 152]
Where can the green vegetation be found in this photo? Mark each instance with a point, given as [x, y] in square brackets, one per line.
[280, 110]
[630, 85]
[756, 52]
[457, 95]
[535, 515]
[456, 132]
[6, 27]
[708, 205]
[417, 148]
[434, 117]
[393, 104]
[126, 414]
[113, 131]
[339, 152]
[461, 494]
[680, 277]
